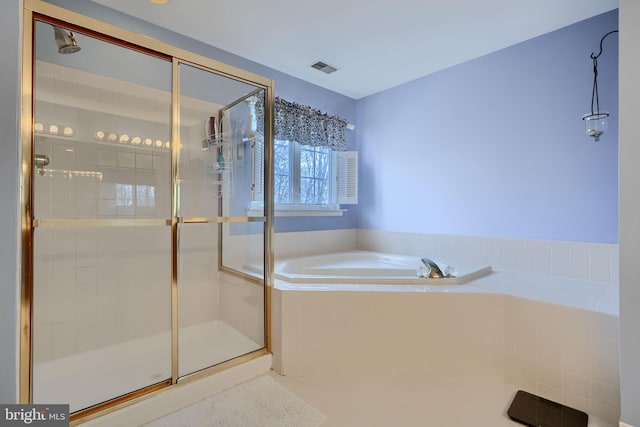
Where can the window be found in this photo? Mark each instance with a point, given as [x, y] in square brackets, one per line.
[311, 179]
[302, 175]
[128, 195]
[308, 180]
[304, 179]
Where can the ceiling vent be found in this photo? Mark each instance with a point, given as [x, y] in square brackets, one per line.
[324, 67]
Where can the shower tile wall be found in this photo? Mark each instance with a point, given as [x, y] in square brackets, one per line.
[97, 287]
[198, 270]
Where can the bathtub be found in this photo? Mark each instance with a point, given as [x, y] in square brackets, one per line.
[368, 268]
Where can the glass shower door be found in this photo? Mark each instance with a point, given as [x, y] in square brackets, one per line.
[101, 295]
[221, 311]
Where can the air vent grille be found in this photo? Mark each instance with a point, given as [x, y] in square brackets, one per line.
[324, 67]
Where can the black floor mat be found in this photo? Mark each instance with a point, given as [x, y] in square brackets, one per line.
[536, 411]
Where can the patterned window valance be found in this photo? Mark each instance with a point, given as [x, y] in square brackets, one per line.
[305, 125]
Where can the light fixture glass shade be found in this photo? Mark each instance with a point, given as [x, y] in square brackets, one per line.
[596, 124]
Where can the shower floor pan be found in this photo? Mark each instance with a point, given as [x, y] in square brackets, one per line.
[92, 377]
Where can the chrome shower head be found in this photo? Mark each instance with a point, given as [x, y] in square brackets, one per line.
[65, 40]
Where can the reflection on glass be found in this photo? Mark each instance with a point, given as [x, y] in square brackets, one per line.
[101, 296]
[221, 316]
[91, 114]
[220, 312]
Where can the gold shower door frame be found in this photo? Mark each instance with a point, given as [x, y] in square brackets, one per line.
[36, 10]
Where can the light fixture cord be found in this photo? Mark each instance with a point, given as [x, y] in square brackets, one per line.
[594, 92]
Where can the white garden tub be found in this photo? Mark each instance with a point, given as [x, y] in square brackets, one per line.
[364, 267]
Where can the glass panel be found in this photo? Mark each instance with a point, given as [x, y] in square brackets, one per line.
[216, 323]
[101, 313]
[242, 300]
[102, 126]
[221, 317]
[101, 295]
[213, 144]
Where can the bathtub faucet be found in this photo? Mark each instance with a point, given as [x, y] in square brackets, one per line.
[431, 270]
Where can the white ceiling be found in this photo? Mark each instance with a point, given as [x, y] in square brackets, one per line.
[374, 44]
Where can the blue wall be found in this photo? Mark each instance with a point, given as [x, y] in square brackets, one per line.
[496, 146]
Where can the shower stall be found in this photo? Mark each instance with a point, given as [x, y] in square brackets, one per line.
[142, 266]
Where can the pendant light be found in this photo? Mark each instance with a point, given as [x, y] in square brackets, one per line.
[596, 122]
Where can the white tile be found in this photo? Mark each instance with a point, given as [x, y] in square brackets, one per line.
[609, 413]
[107, 207]
[126, 159]
[605, 393]
[589, 296]
[549, 392]
[86, 275]
[526, 257]
[604, 347]
[42, 342]
[494, 253]
[575, 401]
[63, 188]
[560, 259]
[610, 302]
[64, 155]
[144, 161]
[526, 368]
[605, 370]
[63, 208]
[86, 334]
[87, 155]
[551, 314]
[605, 325]
[550, 376]
[576, 361]
[575, 383]
[86, 208]
[64, 339]
[526, 384]
[579, 261]
[526, 347]
[579, 342]
[600, 274]
[615, 266]
[577, 320]
[509, 254]
[541, 256]
[550, 349]
[86, 188]
[107, 156]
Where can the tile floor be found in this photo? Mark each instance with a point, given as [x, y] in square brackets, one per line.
[408, 402]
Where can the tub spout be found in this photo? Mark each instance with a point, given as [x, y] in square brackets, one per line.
[431, 269]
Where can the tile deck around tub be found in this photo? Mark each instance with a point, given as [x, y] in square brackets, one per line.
[584, 294]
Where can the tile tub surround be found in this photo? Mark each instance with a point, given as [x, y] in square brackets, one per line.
[564, 353]
[557, 306]
[595, 262]
[588, 263]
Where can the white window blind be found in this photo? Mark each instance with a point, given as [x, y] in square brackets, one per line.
[347, 177]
